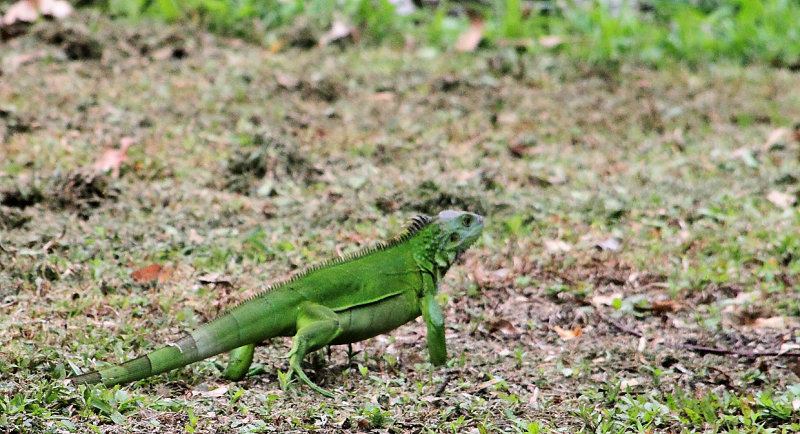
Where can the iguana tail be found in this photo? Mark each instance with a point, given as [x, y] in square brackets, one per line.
[247, 324]
[173, 356]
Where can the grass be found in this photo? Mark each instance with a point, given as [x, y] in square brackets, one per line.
[673, 163]
[740, 31]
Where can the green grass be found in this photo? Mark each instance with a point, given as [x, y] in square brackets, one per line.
[652, 411]
[741, 31]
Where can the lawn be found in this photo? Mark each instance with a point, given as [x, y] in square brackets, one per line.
[638, 272]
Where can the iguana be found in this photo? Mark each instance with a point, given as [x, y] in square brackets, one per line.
[341, 301]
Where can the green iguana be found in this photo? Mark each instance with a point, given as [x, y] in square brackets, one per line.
[342, 301]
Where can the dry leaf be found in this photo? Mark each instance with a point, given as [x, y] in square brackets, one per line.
[781, 200]
[667, 305]
[215, 278]
[606, 300]
[611, 243]
[469, 40]
[501, 274]
[489, 384]
[775, 137]
[630, 382]
[152, 272]
[194, 237]
[163, 53]
[216, 393]
[660, 306]
[277, 46]
[786, 347]
[339, 30]
[23, 11]
[775, 322]
[533, 401]
[382, 96]
[555, 246]
[550, 41]
[112, 159]
[744, 297]
[504, 326]
[286, 81]
[568, 334]
[58, 9]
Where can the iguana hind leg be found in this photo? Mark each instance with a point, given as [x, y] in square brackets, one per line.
[317, 325]
[241, 358]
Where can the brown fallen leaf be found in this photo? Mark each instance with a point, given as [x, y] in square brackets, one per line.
[194, 237]
[382, 96]
[775, 137]
[112, 159]
[518, 150]
[287, 81]
[339, 30]
[215, 278]
[152, 272]
[630, 383]
[610, 243]
[577, 331]
[469, 40]
[781, 200]
[550, 41]
[606, 300]
[504, 326]
[660, 306]
[555, 246]
[215, 393]
[775, 322]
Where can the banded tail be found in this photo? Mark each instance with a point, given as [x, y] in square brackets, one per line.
[248, 323]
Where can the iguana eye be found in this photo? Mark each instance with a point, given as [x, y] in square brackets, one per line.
[454, 237]
[467, 220]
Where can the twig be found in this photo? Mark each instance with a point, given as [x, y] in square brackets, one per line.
[447, 377]
[699, 348]
[728, 352]
[619, 325]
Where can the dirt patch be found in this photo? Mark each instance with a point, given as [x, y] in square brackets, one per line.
[270, 159]
[74, 40]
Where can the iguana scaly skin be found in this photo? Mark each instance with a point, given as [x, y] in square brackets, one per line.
[342, 301]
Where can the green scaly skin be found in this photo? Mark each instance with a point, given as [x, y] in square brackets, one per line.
[342, 301]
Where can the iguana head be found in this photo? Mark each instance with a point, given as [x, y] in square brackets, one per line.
[454, 232]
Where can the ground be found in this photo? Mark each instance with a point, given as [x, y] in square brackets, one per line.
[634, 217]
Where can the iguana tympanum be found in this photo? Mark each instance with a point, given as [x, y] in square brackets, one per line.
[342, 301]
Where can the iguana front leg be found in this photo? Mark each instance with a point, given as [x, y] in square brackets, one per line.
[434, 319]
[317, 325]
[241, 358]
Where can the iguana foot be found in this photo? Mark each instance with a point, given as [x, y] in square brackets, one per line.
[294, 368]
[317, 326]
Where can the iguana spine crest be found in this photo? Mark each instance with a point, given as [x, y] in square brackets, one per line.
[417, 223]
